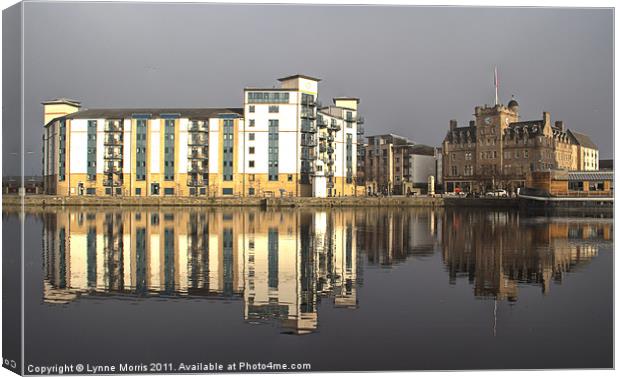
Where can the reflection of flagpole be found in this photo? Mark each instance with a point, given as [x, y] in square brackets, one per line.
[495, 316]
[496, 83]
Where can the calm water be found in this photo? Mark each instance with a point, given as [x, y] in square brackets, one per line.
[358, 289]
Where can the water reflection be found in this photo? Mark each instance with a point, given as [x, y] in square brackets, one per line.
[497, 251]
[281, 264]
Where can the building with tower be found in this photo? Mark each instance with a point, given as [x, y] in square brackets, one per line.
[500, 150]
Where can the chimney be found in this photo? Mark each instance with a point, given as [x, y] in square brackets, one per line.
[559, 125]
[452, 124]
[546, 119]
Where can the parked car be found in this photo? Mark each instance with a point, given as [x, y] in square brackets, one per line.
[499, 193]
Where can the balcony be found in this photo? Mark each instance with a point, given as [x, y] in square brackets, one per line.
[197, 141]
[330, 161]
[330, 139]
[311, 103]
[330, 150]
[335, 127]
[322, 136]
[308, 115]
[308, 143]
[113, 169]
[196, 182]
[112, 183]
[321, 123]
[113, 156]
[308, 157]
[197, 169]
[197, 155]
[310, 129]
[113, 127]
[360, 129]
[198, 127]
[322, 148]
[113, 141]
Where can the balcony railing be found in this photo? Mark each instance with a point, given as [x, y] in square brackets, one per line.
[330, 138]
[309, 129]
[311, 103]
[113, 141]
[112, 183]
[112, 169]
[308, 142]
[197, 141]
[197, 155]
[322, 148]
[196, 182]
[308, 114]
[360, 129]
[321, 123]
[335, 127]
[113, 156]
[197, 169]
[193, 127]
[111, 127]
[330, 150]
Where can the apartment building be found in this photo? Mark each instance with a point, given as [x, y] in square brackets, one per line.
[395, 165]
[272, 146]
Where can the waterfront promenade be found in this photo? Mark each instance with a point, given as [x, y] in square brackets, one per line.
[165, 201]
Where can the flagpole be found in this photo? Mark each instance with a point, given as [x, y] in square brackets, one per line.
[496, 82]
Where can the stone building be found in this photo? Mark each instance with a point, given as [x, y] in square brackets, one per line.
[498, 149]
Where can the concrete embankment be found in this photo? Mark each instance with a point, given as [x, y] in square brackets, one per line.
[393, 201]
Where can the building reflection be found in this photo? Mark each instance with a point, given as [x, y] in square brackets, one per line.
[282, 264]
[497, 251]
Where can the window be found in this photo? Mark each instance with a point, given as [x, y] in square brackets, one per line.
[251, 108]
[273, 149]
[140, 150]
[168, 191]
[467, 156]
[290, 177]
[227, 159]
[251, 150]
[227, 191]
[266, 97]
[169, 150]
[575, 186]
[251, 136]
[251, 191]
[252, 123]
[526, 153]
[454, 170]
[251, 163]
[453, 156]
[252, 177]
[596, 186]
[274, 109]
[91, 156]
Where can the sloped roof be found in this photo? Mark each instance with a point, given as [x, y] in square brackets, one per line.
[590, 175]
[583, 140]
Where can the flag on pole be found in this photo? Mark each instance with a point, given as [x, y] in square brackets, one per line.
[496, 83]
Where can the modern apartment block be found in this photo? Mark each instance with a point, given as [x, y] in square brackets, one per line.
[273, 146]
[396, 165]
[498, 149]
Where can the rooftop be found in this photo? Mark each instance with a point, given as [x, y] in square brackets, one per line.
[299, 76]
[584, 140]
[193, 113]
[590, 175]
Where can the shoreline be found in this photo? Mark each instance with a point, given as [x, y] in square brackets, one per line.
[360, 201]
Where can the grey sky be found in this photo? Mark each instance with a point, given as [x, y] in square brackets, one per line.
[414, 68]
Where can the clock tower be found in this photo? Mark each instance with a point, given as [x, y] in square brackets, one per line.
[490, 124]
